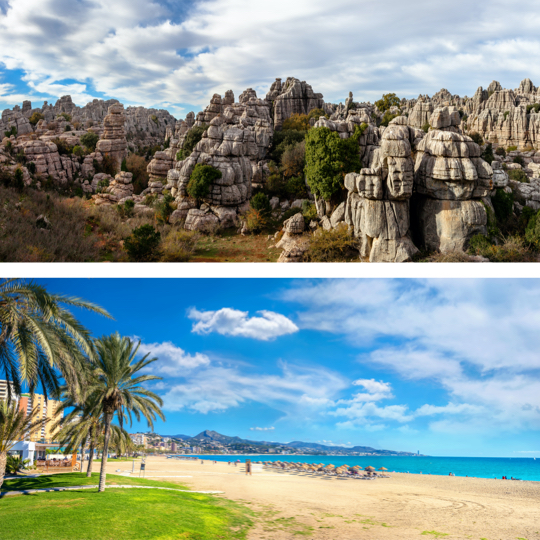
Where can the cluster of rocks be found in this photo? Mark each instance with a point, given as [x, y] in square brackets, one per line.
[113, 141]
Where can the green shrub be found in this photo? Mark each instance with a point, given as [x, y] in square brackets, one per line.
[6, 177]
[64, 149]
[18, 179]
[142, 244]
[35, 118]
[31, 167]
[102, 184]
[309, 211]
[125, 210]
[193, 137]
[316, 113]
[336, 245]
[503, 204]
[518, 175]
[90, 140]
[512, 249]
[426, 127]
[164, 208]
[9, 147]
[477, 138]
[150, 199]
[532, 231]
[519, 160]
[329, 158]
[10, 132]
[67, 128]
[387, 118]
[501, 151]
[506, 113]
[66, 117]
[179, 245]
[511, 149]
[261, 203]
[388, 101]
[155, 119]
[284, 139]
[536, 108]
[20, 157]
[296, 187]
[201, 179]
[487, 154]
[123, 167]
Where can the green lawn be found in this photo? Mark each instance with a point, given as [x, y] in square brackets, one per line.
[129, 514]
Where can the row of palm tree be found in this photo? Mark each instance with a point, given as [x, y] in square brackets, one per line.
[41, 342]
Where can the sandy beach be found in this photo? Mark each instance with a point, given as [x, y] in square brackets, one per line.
[293, 505]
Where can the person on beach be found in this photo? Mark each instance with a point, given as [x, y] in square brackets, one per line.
[248, 467]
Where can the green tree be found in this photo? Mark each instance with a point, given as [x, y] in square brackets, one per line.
[40, 339]
[142, 244]
[90, 140]
[14, 425]
[298, 122]
[118, 391]
[388, 101]
[202, 177]
[329, 158]
[193, 137]
[35, 118]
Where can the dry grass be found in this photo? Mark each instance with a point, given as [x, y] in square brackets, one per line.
[179, 245]
[451, 257]
[337, 245]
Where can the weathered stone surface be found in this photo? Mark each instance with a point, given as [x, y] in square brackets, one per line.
[445, 225]
[200, 220]
[295, 224]
[113, 141]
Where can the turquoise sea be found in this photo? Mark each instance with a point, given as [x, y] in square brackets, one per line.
[521, 468]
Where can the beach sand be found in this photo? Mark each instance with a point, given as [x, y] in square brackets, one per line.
[405, 506]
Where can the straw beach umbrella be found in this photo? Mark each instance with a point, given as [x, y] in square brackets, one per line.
[383, 469]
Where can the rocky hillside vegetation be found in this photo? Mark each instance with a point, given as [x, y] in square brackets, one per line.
[441, 178]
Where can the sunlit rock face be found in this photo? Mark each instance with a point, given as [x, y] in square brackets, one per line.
[113, 142]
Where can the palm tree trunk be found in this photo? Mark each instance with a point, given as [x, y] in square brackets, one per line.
[107, 436]
[91, 456]
[3, 459]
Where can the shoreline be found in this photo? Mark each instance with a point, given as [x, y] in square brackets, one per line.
[223, 458]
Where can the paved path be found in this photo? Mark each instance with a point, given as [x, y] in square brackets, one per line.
[67, 488]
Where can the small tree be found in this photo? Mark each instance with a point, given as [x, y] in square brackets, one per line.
[202, 177]
[487, 154]
[193, 137]
[142, 245]
[329, 158]
[35, 118]
[18, 179]
[261, 203]
[90, 140]
[388, 101]
[298, 122]
[294, 159]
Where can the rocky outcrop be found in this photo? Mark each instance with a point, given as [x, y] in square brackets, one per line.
[113, 141]
[377, 206]
[292, 97]
[449, 173]
[293, 243]
[119, 190]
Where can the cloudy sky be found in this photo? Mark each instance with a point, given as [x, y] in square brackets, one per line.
[175, 54]
[446, 367]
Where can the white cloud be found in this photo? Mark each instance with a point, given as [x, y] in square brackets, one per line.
[219, 388]
[262, 429]
[172, 360]
[476, 339]
[232, 322]
[142, 51]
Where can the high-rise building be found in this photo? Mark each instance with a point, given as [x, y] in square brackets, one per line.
[47, 409]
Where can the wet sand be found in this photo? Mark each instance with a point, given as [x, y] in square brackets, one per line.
[405, 506]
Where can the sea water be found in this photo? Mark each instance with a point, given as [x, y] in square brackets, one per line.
[520, 468]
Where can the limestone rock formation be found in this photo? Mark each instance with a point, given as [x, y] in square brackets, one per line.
[113, 142]
[118, 191]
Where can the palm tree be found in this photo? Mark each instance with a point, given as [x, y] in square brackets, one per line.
[118, 391]
[14, 426]
[39, 337]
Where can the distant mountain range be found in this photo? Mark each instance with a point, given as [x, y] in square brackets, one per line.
[214, 436]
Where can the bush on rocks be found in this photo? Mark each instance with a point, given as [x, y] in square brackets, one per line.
[532, 232]
[387, 102]
[518, 175]
[164, 208]
[193, 137]
[503, 204]
[142, 244]
[296, 187]
[477, 138]
[201, 179]
[298, 122]
[35, 118]
[336, 245]
[328, 159]
[293, 160]
[90, 140]
[261, 203]
[500, 151]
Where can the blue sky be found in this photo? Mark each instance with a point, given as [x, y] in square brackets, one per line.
[447, 367]
[176, 53]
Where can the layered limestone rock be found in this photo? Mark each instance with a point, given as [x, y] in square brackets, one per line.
[119, 190]
[160, 166]
[377, 205]
[48, 161]
[113, 142]
[421, 114]
[449, 173]
[292, 97]
[293, 243]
